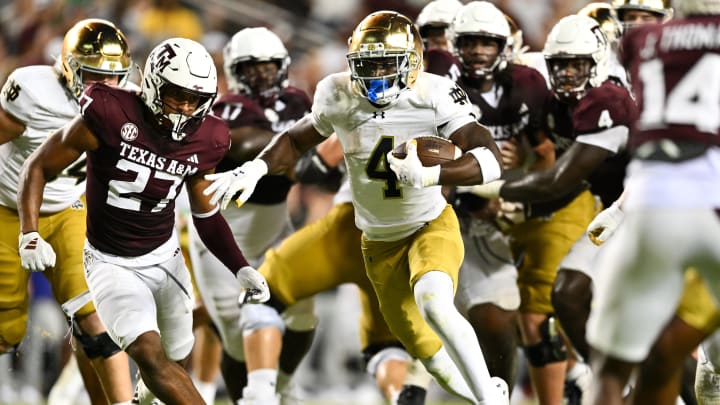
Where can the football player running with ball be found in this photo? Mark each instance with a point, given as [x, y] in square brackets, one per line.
[411, 240]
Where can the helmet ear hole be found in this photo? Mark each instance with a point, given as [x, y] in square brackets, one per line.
[96, 46]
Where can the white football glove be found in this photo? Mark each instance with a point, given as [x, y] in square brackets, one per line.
[35, 253]
[605, 223]
[253, 287]
[487, 190]
[244, 178]
[510, 214]
[410, 170]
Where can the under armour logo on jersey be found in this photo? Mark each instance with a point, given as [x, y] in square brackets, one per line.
[193, 158]
[12, 91]
[378, 114]
[458, 95]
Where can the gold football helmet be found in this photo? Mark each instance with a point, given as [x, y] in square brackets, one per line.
[662, 8]
[607, 19]
[97, 46]
[385, 56]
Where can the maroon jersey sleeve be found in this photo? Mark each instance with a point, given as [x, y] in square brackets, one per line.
[441, 63]
[137, 171]
[531, 89]
[603, 107]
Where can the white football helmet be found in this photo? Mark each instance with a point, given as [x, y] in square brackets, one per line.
[576, 37]
[93, 45]
[690, 7]
[437, 14]
[251, 45]
[385, 54]
[481, 19]
[182, 65]
[660, 8]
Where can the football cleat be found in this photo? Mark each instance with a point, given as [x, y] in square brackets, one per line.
[411, 395]
[143, 395]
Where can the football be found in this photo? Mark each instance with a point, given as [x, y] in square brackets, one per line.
[432, 150]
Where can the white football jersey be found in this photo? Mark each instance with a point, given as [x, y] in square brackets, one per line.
[35, 96]
[385, 209]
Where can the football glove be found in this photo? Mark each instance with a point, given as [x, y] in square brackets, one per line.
[487, 190]
[605, 223]
[244, 178]
[253, 287]
[511, 213]
[35, 253]
[410, 170]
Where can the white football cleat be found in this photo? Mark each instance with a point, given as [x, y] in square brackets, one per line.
[250, 397]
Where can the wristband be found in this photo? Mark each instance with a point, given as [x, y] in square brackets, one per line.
[489, 164]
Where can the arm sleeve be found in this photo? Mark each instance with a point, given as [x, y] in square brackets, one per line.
[217, 237]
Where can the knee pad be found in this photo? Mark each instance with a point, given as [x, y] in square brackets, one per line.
[95, 346]
[259, 316]
[376, 354]
[301, 317]
[551, 348]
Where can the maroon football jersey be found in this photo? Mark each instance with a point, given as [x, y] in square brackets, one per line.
[287, 108]
[442, 63]
[137, 171]
[238, 111]
[675, 73]
[602, 108]
[520, 109]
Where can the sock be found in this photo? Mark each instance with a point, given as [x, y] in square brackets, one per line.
[577, 371]
[261, 383]
[207, 390]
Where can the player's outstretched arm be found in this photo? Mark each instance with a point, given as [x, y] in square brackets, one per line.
[215, 233]
[574, 166]
[278, 157]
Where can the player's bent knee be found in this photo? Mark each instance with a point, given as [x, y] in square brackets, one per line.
[551, 348]
[260, 316]
[179, 350]
[96, 346]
